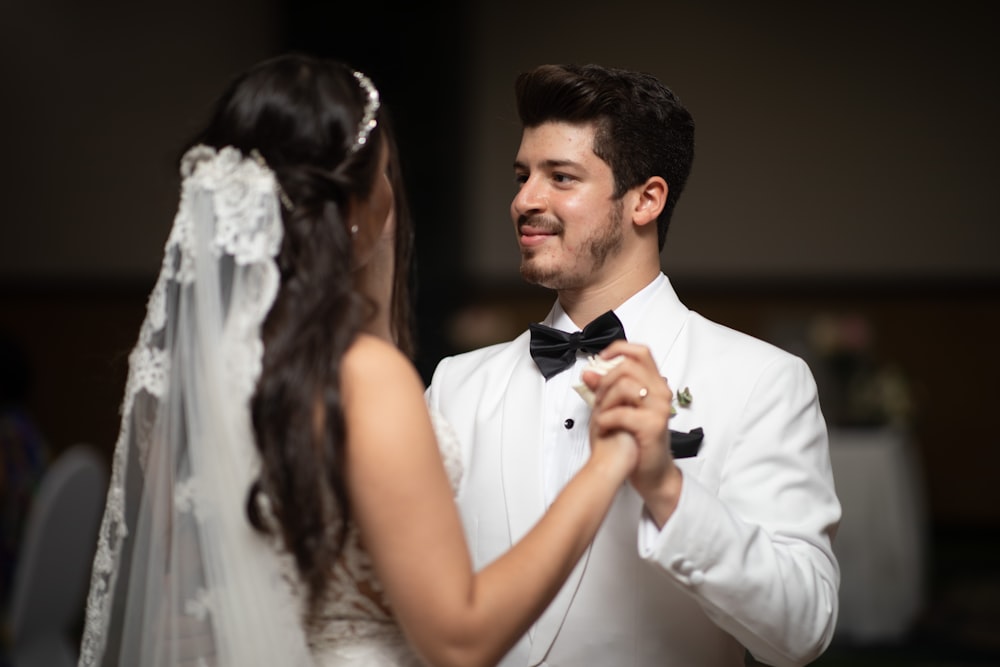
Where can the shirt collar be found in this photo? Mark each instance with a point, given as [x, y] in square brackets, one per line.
[630, 312]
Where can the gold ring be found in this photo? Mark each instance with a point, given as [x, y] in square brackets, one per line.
[643, 393]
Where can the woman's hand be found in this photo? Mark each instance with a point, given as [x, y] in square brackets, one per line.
[614, 452]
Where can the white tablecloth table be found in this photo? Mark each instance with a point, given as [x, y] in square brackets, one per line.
[882, 541]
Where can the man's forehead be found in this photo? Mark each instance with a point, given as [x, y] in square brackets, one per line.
[558, 143]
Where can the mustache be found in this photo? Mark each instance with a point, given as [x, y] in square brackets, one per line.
[540, 223]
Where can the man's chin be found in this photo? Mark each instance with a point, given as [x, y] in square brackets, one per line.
[533, 274]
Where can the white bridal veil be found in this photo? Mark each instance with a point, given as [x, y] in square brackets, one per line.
[180, 576]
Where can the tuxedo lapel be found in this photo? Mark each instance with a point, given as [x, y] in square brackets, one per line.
[660, 324]
[547, 628]
[521, 458]
[522, 485]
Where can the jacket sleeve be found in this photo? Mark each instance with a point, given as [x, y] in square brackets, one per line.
[756, 551]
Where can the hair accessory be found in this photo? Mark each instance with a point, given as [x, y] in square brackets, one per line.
[286, 202]
[368, 121]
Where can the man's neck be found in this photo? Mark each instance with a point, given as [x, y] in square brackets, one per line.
[585, 305]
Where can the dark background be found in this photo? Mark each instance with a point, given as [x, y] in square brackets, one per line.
[791, 214]
[846, 167]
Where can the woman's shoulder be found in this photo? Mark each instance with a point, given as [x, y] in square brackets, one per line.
[377, 380]
[368, 349]
[373, 360]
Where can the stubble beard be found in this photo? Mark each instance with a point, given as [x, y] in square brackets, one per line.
[604, 243]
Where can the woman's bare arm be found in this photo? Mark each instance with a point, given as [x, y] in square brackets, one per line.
[404, 508]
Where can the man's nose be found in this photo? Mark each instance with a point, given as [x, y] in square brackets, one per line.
[530, 198]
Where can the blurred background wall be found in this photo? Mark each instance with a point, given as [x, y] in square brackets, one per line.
[841, 204]
[854, 140]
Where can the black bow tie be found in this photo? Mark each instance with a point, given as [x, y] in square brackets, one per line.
[554, 351]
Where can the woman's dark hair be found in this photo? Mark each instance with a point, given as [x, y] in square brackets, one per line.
[302, 114]
[642, 129]
[401, 307]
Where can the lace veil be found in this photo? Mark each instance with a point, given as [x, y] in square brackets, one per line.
[180, 576]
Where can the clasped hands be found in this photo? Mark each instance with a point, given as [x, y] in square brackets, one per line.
[632, 399]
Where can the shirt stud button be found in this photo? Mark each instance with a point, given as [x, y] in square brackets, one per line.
[568, 423]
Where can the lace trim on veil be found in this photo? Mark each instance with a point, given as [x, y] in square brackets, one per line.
[238, 195]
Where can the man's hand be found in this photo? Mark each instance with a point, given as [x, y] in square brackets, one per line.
[633, 396]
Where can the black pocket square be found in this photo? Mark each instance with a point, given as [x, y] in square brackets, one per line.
[686, 445]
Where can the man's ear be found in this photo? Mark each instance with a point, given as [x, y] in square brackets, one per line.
[652, 197]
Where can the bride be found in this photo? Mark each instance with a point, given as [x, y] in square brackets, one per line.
[280, 494]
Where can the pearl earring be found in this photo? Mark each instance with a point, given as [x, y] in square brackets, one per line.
[354, 230]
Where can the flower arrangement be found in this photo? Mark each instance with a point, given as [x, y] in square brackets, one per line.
[857, 387]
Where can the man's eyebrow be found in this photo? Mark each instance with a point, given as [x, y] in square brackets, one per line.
[551, 164]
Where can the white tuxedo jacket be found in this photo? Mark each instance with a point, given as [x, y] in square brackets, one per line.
[746, 559]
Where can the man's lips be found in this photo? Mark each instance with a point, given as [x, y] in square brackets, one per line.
[530, 237]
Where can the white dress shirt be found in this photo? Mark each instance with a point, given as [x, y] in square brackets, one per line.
[565, 443]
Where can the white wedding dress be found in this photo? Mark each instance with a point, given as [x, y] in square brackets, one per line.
[355, 626]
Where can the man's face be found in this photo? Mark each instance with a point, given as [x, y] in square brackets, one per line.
[569, 227]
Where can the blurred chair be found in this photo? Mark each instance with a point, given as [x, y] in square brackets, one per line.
[54, 563]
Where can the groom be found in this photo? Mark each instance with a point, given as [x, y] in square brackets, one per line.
[721, 543]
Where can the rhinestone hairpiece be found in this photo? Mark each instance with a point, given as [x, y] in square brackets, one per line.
[368, 121]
